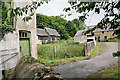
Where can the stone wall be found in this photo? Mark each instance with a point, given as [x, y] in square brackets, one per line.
[89, 47]
[80, 39]
[27, 25]
[9, 52]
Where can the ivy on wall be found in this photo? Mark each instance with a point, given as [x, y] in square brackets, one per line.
[9, 14]
[7, 20]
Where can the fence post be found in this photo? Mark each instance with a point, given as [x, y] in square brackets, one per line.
[85, 49]
[55, 51]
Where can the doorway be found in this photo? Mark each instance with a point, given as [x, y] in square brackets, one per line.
[24, 42]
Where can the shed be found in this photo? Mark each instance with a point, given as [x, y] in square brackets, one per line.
[79, 37]
[42, 35]
[53, 34]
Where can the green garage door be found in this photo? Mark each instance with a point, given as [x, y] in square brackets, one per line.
[24, 42]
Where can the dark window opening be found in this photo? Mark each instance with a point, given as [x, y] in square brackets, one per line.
[92, 34]
[88, 40]
[102, 32]
[105, 37]
[24, 35]
[113, 34]
[98, 39]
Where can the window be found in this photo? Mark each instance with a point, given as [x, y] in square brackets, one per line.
[23, 34]
[92, 34]
[102, 32]
[105, 37]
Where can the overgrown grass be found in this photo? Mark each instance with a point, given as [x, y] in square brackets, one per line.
[54, 62]
[111, 72]
[63, 50]
[98, 49]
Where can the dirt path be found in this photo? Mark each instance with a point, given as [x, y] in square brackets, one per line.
[84, 68]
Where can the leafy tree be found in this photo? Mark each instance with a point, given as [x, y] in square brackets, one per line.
[54, 22]
[108, 7]
[79, 24]
[80, 7]
[42, 21]
[70, 28]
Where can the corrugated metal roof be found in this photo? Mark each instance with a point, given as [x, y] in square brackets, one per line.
[52, 32]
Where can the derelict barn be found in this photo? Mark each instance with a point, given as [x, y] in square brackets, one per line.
[23, 41]
[53, 34]
[42, 36]
[47, 34]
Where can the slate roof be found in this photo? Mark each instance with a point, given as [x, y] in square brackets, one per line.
[41, 32]
[79, 33]
[100, 30]
[52, 32]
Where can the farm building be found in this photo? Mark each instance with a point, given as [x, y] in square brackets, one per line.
[53, 34]
[80, 37]
[89, 41]
[22, 41]
[47, 34]
[42, 36]
[103, 34]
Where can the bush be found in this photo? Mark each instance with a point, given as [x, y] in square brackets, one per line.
[116, 54]
[44, 51]
[115, 39]
[75, 43]
[68, 51]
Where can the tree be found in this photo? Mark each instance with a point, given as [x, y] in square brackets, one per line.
[70, 28]
[79, 24]
[54, 22]
[108, 7]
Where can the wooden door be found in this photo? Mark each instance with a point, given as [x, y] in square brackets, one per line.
[24, 43]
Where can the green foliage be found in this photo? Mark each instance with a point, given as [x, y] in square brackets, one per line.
[111, 73]
[116, 54]
[7, 28]
[54, 22]
[68, 51]
[70, 28]
[7, 20]
[109, 8]
[79, 24]
[98, 49]
[63, 50]
[75, 43]
[115, 39]
[44, 51]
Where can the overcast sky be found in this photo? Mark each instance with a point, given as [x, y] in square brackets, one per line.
[55, 8]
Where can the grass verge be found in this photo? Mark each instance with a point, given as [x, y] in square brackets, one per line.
[56, 62]
[98, 49]
[111, 72]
